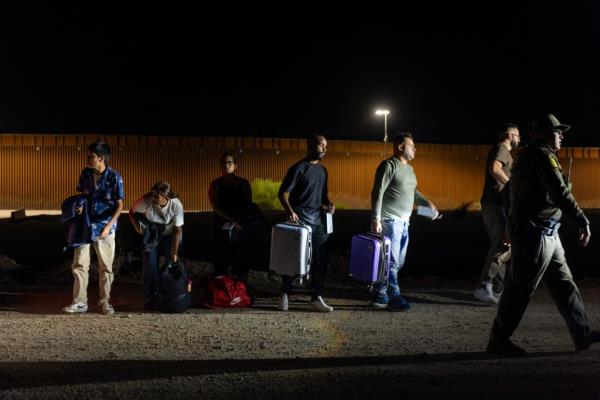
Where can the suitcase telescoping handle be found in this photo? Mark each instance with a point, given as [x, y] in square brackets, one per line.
[309, 256]
[309, 250]
[383, 267]
[384, 260]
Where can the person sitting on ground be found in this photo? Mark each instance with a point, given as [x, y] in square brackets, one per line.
[158, 217]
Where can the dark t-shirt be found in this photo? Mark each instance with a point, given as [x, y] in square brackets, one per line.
[493, 191]
[307, 185]
[231, 193]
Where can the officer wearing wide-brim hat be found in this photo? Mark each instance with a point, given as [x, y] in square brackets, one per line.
[538, 197]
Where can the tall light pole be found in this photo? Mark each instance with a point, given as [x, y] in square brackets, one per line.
[385, 135]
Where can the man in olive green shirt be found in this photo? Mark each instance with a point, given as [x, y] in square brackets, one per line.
[494, 209]
[392, 198]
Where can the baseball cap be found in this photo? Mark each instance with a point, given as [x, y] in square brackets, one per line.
[548, 122]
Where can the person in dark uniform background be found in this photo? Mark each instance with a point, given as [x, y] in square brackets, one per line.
[235, 219]
[494, 210]
[538, 197]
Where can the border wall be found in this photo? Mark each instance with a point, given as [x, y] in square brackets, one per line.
[37, 171]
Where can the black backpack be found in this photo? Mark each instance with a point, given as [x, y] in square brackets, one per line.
[172, 296]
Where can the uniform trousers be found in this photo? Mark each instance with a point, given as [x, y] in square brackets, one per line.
[539, 257]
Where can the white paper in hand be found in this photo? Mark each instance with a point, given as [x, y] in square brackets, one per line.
[329, 222]
[427, 212]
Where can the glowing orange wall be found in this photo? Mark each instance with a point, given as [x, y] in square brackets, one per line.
[39, 171]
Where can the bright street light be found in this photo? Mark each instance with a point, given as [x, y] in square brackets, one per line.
[385, 135]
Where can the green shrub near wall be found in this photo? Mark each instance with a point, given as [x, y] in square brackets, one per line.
[264, 194]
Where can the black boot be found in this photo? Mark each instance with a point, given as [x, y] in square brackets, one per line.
[504, 348]
[585, 343]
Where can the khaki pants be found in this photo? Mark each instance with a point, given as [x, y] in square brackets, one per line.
[537, 258]
[105, 250]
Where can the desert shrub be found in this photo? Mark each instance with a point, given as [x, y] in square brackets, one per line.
[340, 205]
[264, 193]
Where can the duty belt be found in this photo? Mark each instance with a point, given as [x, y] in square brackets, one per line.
[544, 230]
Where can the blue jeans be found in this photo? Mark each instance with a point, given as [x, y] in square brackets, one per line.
[150, 268]
[397, 232]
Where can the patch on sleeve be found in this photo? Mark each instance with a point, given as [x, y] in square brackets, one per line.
[553, 162]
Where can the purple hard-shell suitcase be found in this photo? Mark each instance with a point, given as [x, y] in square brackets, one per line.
[370, 257]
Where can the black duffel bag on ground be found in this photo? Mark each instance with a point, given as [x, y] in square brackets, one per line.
[173, 295]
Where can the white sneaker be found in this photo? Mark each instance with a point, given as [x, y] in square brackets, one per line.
[283, 302]
[75, 308]
[486, 293]
[320, 305]
[107, 309]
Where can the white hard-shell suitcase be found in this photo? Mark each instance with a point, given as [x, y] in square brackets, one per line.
[291, 249]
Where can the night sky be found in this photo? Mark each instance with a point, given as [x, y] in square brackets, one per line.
[449, 74]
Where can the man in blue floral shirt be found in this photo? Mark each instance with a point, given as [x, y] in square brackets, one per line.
[103, 188]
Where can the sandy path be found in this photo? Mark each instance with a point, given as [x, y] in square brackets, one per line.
[435, 349]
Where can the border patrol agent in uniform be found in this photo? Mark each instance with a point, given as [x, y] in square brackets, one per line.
[539, 195]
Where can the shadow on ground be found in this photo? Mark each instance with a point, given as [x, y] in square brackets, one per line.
[18, 374]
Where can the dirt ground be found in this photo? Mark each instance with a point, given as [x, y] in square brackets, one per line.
[435, 349]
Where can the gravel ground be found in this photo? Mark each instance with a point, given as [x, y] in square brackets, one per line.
[435, 349]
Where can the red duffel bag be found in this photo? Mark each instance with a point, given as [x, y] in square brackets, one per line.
[224, 292]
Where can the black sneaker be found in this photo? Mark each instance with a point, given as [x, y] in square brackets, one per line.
[398, 303]
[504, 348]
[593, 337]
